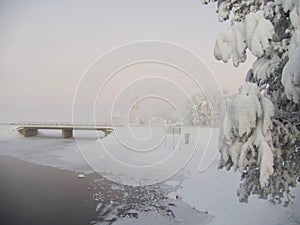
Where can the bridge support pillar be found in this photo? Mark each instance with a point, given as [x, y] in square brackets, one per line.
[107, 132]
[29, 132]
[67, 133]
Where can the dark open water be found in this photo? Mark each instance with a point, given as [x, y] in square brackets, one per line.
[38, 195]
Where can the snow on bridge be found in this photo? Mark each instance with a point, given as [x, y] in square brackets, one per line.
[29, 129]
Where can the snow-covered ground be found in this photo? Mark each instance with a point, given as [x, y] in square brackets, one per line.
[209, 190]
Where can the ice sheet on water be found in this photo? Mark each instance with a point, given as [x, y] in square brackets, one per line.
[119, 204]
[172, 183]
[211, 190]
[8, 132]
[182, 216]
[43, 150]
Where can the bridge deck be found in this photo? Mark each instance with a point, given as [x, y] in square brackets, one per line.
[31, 129]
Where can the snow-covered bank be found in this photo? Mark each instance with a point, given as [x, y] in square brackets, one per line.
[210, 191]
[215, 192]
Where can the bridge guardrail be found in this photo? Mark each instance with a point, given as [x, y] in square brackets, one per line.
[31, 123]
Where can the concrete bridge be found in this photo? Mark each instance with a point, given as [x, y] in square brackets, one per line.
[31, 129]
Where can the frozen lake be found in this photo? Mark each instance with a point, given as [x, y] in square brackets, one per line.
[186, 197]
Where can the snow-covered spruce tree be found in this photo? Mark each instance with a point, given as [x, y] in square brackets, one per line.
[260, 131]
[198, 112]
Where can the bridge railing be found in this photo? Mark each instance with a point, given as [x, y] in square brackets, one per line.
[78, 124]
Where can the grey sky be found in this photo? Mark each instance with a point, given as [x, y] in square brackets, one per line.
[47, 45]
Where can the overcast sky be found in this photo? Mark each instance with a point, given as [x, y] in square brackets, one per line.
[47, 45]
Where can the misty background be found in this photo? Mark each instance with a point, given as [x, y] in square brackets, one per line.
[46, 46]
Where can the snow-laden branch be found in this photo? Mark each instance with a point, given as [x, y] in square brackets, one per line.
[246, 132]
[255, 33]
[291, 77]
